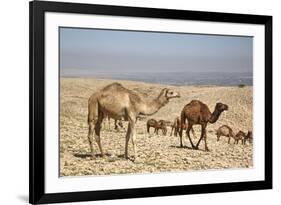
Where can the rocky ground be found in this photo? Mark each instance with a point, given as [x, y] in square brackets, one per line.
[156, 153]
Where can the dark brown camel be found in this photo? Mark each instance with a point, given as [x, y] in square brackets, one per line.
[240, 136]
[158, 125]
[248, 137]
[244, 137]
[163, 124]
[151, 123]
[197, 112]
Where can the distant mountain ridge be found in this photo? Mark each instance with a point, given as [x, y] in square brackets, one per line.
[180, 78]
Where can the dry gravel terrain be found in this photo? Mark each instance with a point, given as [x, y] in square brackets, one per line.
[156, 153]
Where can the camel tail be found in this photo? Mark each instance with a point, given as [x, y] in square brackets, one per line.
[92, 109]
[182, 121]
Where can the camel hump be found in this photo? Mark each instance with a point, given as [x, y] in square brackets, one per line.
[114, 85]
[225, 127]
[196, 103]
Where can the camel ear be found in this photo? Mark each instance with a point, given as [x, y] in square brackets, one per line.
[163, 92]
[166, 90]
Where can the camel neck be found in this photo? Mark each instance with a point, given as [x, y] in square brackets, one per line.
[152, 107]
[215, 116]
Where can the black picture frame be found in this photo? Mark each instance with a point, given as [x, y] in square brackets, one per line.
[37, 9]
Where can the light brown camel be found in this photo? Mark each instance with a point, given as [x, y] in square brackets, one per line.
[118, 102]
[226, 131]
[197, 112]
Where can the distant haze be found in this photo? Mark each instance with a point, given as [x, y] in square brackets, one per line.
[91, 52]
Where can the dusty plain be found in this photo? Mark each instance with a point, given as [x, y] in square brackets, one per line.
[156, 153]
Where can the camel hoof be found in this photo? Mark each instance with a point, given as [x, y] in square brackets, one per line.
[195, 147]
[207, 150]
[134, 159]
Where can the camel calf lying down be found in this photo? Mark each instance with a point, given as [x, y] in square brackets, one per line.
[118, 102]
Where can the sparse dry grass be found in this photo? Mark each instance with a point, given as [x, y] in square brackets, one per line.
[155, 153]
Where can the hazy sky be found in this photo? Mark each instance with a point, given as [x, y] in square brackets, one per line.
[91, 51]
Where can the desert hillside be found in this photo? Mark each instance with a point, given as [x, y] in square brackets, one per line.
[156, 153]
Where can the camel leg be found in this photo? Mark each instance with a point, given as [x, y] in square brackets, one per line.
[120, 124]
[205, 140]
[115, 125]
[181, 145]
[228, 139]
[203, 132]
[188, 135]
[148, 129]
[133, 134]
[108, 119]
[127, 140]
[90, 136]
[218, 137]
[155, 130]
[97, 132]
[171, 131]
[164, 131]
[193, 132]
[130, 133]
[177, 131]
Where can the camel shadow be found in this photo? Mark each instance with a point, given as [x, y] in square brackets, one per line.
[87, 155]
[83, 156]
[186, 147]
[122, 156]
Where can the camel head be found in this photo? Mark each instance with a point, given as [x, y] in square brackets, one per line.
[221, 107]
[250, 136]
[169, 94]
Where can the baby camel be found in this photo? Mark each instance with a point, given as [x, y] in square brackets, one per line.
[158, 125]
[176, 126]
[248, 137]
[243, 137]
[226, 131]
[118, 102]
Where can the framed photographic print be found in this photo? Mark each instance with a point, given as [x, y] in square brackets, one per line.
[140, 102]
